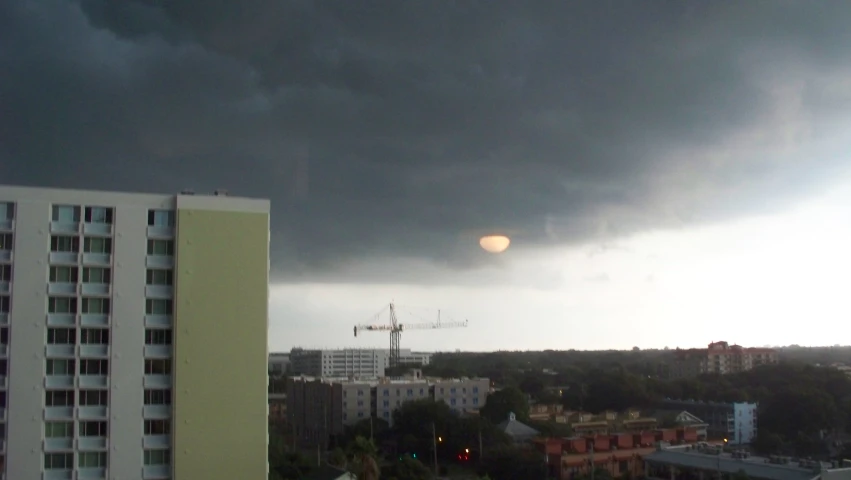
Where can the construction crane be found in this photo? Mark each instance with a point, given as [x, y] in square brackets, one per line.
[395, 328]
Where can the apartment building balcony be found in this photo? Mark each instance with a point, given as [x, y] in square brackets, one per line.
[7, 225]
[92, 412]
[94, 289]
[159, 261]
[5, 287]
[159, 291]
[58, 413]
[158, 351]
[3, 381]
[92, 381]
[152, 412]
[91, 443]
[158, 321]
[4, 318]
[94, 351]
[94, 320]
[60, 351]
[151, 472]
[160, 231]
[61, 319]
[103, 229]
[3, 413]
[156, 441]
[59, 381]
[97, 259]
[91, 473]
[64, 227]
[4, 350]
[57, 288]
[55, 474]
[58, 444]
[63, 258]
[5, 256]
[152, 381]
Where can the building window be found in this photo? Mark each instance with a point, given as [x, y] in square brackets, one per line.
[93, 428]
[63, 275]
[61, 336]
[475, 400]
[66, 214]
[161, 247]
[158, 397]
[98, 275]
[475, 389]
[5, 241]
[386, 392]
[91, 460]
[60, 366]
[59, 398]
[157, 427]
[94, 336]
[158, 306]
[97, 245]
[58, 461]
[62, 243]
[410, 392]
[158, 366]
[4, 336]
[157, 337]
[160, 277]
[7, 211]
[96, 305]
[157, 457]
[58, 430]
[452, 401]
[61, 305]
[90, 366]
[101, 215]
[5, 304]
[94, 398]
[160, 218]
[5, 273]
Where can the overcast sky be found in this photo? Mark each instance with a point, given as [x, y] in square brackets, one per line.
[671, 173]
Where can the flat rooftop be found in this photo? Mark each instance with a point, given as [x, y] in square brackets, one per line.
[754, 467]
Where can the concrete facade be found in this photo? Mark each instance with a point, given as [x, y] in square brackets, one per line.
[88, 310]
[349, 362]
[320, 407]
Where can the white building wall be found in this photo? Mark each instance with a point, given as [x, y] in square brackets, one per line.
[745, 418]
[27, 339]
[127, 360]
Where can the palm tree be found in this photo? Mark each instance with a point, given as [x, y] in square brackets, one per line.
[363, 454]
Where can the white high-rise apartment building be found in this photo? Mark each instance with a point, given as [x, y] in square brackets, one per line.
[132, 336]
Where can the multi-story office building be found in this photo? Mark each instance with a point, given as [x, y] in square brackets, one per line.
[320, 407]
[350, 362]
[719, 358]
[133, 335]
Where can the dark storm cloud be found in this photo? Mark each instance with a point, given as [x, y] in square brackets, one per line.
[392, 128]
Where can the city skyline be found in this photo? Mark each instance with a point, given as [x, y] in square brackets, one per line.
[668, 173]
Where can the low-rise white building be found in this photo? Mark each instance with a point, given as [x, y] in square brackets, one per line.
[350, 362]
[320, 407]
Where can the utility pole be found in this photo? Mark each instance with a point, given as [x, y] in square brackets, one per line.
[591, 455]
[434, 448]
[481, 448]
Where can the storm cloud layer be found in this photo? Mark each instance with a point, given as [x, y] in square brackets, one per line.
[401, 129]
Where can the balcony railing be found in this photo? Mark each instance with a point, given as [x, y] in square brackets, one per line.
[61, 319]
[61, 288]
[63, 258]
[64, 227]
[158, 320]
[104, 229]
[94, 320]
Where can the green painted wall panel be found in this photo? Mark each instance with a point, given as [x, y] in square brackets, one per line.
[220, 355]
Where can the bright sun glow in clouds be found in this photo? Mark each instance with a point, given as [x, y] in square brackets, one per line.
[495, 243]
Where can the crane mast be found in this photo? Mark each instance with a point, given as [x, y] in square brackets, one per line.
[395, 328]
